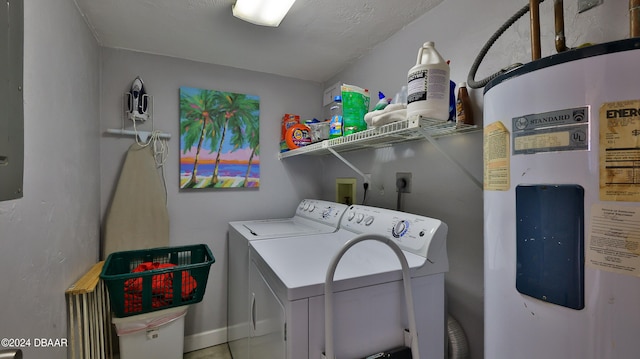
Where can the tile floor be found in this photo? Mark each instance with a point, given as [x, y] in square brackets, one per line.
[216, 352]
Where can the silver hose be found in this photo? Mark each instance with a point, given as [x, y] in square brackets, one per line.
[471, 82]
[458, 345]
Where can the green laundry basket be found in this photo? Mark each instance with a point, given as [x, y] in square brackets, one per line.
[148, 280]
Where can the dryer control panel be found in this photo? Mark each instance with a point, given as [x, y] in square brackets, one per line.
[413, 233]
[321, 211]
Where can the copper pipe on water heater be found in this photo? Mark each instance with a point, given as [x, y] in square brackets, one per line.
[558, 15]
[634, 17]
[534, 11]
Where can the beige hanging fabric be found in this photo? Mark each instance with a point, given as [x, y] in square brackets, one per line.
[137, 217]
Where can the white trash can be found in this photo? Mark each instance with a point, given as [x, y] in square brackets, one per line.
[158, 334]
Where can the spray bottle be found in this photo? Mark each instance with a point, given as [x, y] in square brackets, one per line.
[383, 101]
[428, 85]
[336, 123]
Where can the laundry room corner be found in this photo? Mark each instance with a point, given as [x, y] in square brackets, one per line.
[197, 215]
[336, 195]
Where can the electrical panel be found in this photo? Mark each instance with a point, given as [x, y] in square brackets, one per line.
[11, 108]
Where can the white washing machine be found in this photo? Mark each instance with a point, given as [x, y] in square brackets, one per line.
[287, 277]
[311, 217]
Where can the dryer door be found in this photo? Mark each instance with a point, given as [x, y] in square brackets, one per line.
[238, 295]
[267, 319]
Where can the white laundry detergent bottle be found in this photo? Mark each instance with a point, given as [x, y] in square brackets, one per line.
[428, 85]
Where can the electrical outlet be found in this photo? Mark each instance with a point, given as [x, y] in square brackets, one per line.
[403, 182]
[367, 177]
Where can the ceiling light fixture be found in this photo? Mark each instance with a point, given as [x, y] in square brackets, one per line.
[262, 12]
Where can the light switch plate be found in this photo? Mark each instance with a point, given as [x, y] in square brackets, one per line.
[346, 190]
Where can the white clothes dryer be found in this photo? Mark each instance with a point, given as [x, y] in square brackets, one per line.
[311, 217]
[287, 278]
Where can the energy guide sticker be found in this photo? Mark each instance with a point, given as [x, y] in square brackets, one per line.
[620, 151]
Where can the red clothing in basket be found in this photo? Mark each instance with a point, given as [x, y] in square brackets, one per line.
[161, 287]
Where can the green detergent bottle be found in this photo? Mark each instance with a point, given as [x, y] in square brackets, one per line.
[355, 104]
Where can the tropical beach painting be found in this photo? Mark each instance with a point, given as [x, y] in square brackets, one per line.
[219, 139]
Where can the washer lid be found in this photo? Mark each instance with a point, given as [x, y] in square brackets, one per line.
[286, 227]
[300, 263]
[312, 216]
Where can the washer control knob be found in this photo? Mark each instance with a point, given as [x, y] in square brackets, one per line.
[306, 206]
[360, 217]
[400, 229]
[312, 207]
[326, 213]
[350, 216]
[368, 221]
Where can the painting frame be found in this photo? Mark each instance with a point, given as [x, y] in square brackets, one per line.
[219, 139]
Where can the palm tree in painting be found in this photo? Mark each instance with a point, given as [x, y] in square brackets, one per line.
[196, 125]
[246, 131]
[234, 111]
[252, 136]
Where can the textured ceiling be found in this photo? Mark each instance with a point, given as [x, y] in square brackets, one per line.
[316, 40]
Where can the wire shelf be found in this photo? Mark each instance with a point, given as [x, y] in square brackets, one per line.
[402, 131]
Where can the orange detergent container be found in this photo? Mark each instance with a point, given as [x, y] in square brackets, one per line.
[288, 120]
[297, 136]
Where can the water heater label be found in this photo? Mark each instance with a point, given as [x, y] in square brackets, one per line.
[497, 170]
[563, 130]
[614, 239]
[620, 151]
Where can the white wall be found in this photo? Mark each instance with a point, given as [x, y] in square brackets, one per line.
[459, 28]
[202, 216]
[49, 238]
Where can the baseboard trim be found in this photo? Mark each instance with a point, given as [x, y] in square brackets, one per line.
[205, 339]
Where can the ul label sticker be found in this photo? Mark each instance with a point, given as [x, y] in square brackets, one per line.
[563, 130]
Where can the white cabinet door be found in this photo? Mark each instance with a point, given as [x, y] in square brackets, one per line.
[267, 319]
